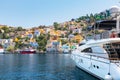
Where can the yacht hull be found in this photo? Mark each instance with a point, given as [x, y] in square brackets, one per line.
[96, 66]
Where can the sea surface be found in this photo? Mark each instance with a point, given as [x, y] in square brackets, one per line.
[40, 67]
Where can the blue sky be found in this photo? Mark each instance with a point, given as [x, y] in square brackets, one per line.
[31, 13]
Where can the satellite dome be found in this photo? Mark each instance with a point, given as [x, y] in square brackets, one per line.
[114, 9]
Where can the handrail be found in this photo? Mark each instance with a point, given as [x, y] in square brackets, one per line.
[96, 55]
[111, 59]
[117, 65]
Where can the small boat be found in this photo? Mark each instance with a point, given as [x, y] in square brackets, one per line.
[28, 51]
[66, 49]
[1, 50]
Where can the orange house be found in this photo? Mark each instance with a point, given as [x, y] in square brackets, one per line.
[78, 38]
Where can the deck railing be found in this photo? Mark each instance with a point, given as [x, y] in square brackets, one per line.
[113, 59]
[103, 35]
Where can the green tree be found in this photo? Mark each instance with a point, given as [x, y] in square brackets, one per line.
[75, 34]
[74, 41]
[10, 48]
[5, 29]
[19, 44]
[97, 16]
[107, 13]
[42, 42]
[4, 32]
[27, 39]
[48, 36]
[92, 18]
[64, 41]
[20, 28]
[5, 36]
[87, 16]
[102, 15]
[62, 36]
[56, 25]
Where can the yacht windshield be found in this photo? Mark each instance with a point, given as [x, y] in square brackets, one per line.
[96, 51]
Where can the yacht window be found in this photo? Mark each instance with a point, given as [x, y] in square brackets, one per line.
[81, 44]
[98, 49]
[87, 50]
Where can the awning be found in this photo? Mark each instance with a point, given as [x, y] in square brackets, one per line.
[105, 24]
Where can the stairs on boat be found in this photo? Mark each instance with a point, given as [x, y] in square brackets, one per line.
[112, 52]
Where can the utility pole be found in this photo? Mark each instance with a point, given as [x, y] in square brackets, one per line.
[118, 23]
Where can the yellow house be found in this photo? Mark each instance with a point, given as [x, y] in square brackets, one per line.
[53, 32]
[58, 33]
[78, 38]
[42, 31]
[16, 39]
[26, 33]
[54, 35]
[32, 40]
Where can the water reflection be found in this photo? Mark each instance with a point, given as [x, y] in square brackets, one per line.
[40, 67]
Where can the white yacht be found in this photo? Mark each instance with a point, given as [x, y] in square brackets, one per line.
[100, 58]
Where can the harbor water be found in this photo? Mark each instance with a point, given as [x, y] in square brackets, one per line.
[40, 67]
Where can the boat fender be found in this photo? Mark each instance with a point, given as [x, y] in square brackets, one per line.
[108, 77]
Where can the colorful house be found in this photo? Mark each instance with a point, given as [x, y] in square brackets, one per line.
[78, 38]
